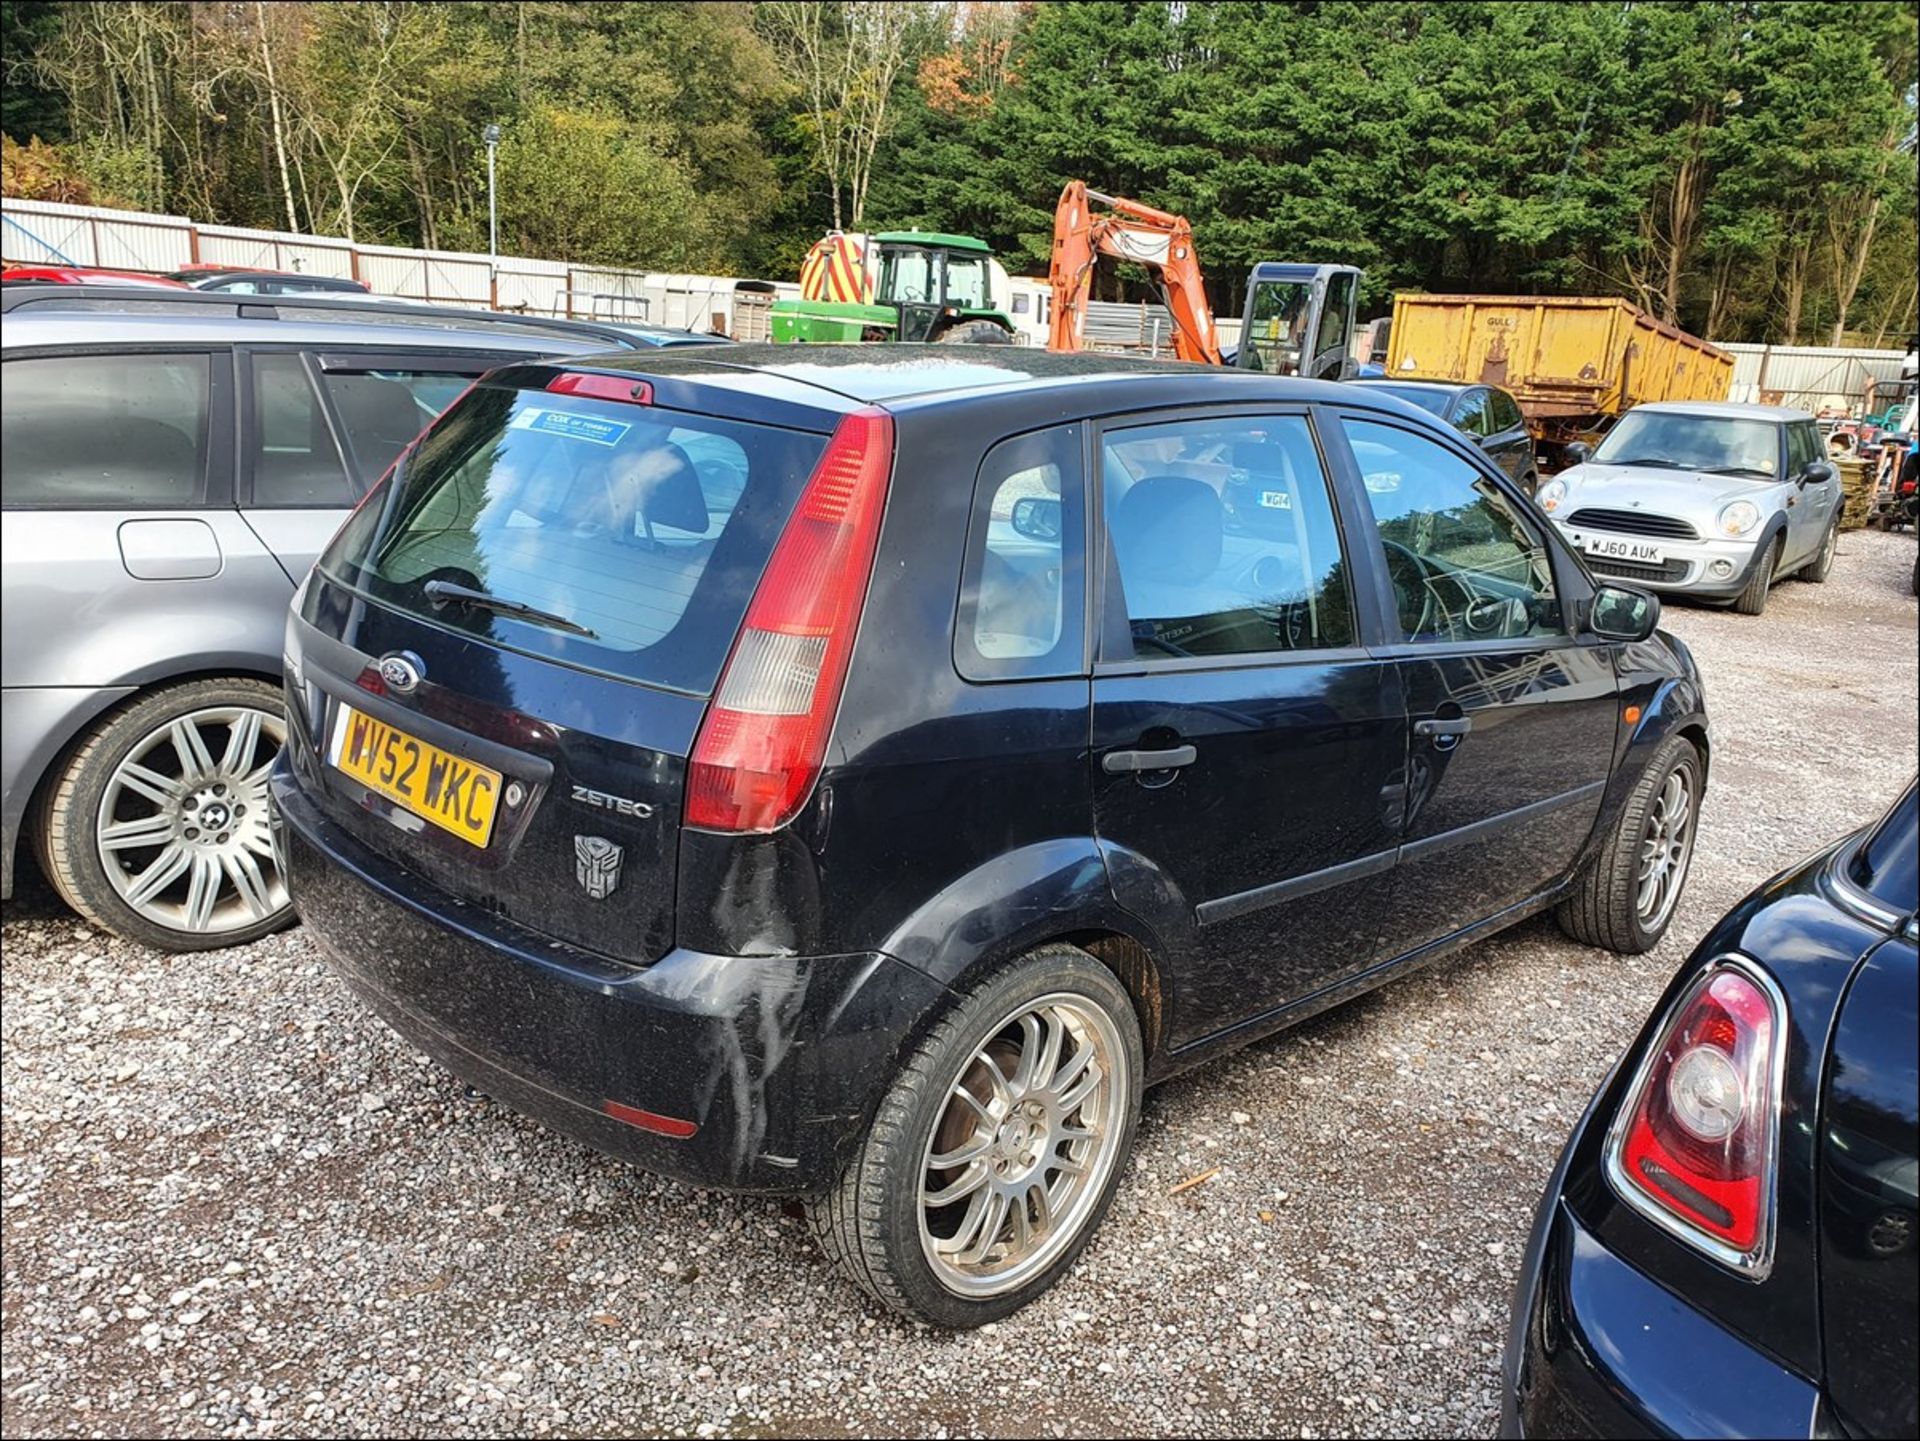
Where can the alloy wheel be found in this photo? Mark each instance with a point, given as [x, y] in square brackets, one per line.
[1666, 850]
[1022, 1151]
[183, 829]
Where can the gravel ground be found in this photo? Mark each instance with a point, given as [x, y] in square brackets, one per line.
[235, 1204]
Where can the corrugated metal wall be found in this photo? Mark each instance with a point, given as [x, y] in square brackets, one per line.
[1807, 376]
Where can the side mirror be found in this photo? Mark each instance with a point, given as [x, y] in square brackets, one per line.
[1817, 471]
[1579, 452]
[1620, 612]
[1037, 518]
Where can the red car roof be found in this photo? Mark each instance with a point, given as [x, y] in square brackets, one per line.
[80, 275]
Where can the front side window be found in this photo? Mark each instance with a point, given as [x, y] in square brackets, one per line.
[909, 275]
[1022, 601]
[120, 432]
[1333, 314]
[1677, 440]
[296, 463]
[1506, 412]
[1223, 538]
[1472, 415]
[1464, 565]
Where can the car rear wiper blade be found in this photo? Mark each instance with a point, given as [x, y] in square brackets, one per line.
[446, 592]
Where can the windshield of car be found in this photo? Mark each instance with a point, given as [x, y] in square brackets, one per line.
[642, 531]
[1436, 401]
[1887, 864]
[1274, 340]
[1673, 440]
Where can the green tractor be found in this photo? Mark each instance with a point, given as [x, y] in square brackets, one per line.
[897, 285]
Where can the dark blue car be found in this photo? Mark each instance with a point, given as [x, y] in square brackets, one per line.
[1728, 1245]
[854, 772]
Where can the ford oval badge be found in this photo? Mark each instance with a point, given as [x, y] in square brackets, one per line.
[401, 672]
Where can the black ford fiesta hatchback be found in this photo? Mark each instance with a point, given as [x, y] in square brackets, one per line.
[856, 772]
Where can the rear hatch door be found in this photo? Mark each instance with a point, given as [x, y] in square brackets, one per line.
[504, 657]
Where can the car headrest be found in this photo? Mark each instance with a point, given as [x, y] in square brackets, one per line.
[1169, 528]
[666, 487]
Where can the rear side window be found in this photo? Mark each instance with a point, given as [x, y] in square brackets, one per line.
[1223, 537]
[295, 460]
[638, 533]
[381, 411]
[120, 432]
[1023, 600]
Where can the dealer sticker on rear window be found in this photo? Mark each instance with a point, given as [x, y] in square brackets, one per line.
[590, 428]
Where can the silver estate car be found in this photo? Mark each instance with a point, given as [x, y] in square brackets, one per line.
[1706, 499]
[168, 474]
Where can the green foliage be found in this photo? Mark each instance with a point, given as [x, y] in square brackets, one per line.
[1735, 165]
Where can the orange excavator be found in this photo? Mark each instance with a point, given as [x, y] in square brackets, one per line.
[1299, 314]
[1161, 242]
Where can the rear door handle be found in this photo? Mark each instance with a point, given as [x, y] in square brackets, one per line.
[1456, 727]
[1117, 763]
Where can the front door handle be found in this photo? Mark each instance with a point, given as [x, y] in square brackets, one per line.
[1119, 763]
[1455, 727]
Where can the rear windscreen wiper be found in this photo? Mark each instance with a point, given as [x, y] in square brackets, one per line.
[446, 592]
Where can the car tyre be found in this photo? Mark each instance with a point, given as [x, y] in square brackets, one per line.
[1611, 904]
[1752, 600]
[149, 771]
[1052, 1024]
[975, 332]
[1820, 567]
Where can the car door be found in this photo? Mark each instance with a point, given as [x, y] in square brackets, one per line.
[319, 427]
[1509, 442]
[124, 556]
[1246, 746]
[1513, 719]
[1810, 502]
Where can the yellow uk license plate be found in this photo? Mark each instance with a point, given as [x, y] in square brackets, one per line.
[454, 794]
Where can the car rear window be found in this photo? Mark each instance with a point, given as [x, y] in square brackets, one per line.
[1887, 864]
[646, 527]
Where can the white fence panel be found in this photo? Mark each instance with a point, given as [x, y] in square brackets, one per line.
[276, 250]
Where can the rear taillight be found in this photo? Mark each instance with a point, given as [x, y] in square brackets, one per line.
[1694, 1149]
[765, 735]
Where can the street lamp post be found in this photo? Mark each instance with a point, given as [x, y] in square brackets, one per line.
[492, 136]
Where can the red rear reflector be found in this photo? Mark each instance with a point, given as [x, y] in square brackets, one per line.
[649, 1121]
[602, 387]
[1694, 1149]
[765, 735]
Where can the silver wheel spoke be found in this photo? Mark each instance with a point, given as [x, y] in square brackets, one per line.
[1033, 1031]
[992, 1220]
[970, 1150]
[243, 739]
[165, 869]
[1043, 1209]
[161, 790]
[203, 892]
[191, 747]
[1071, 1098]
[974, 1178]
[1067, 1074]
[131, 835]
[244, 872]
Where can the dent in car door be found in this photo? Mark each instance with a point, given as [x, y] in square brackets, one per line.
[1512, 719]
[1245, 746]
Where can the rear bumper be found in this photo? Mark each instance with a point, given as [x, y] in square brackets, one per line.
[1597, 1348]
[776, 1062]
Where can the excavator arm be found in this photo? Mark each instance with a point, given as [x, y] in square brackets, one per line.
[1153, 238]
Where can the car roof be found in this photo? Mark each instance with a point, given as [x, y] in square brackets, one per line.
[898, 375]
[1726, 410]
[33, 328]
[931, 237]
[1443, 387]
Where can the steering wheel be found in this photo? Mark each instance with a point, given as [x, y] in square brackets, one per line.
[1412, 576]
[911, 292]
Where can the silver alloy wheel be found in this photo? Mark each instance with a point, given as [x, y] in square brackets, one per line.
[183, 834]
[1828, 548]
[1023, 1149]
[1666, 850]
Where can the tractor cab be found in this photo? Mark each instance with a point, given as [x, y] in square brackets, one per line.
[1299, 320]
[897, 285]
